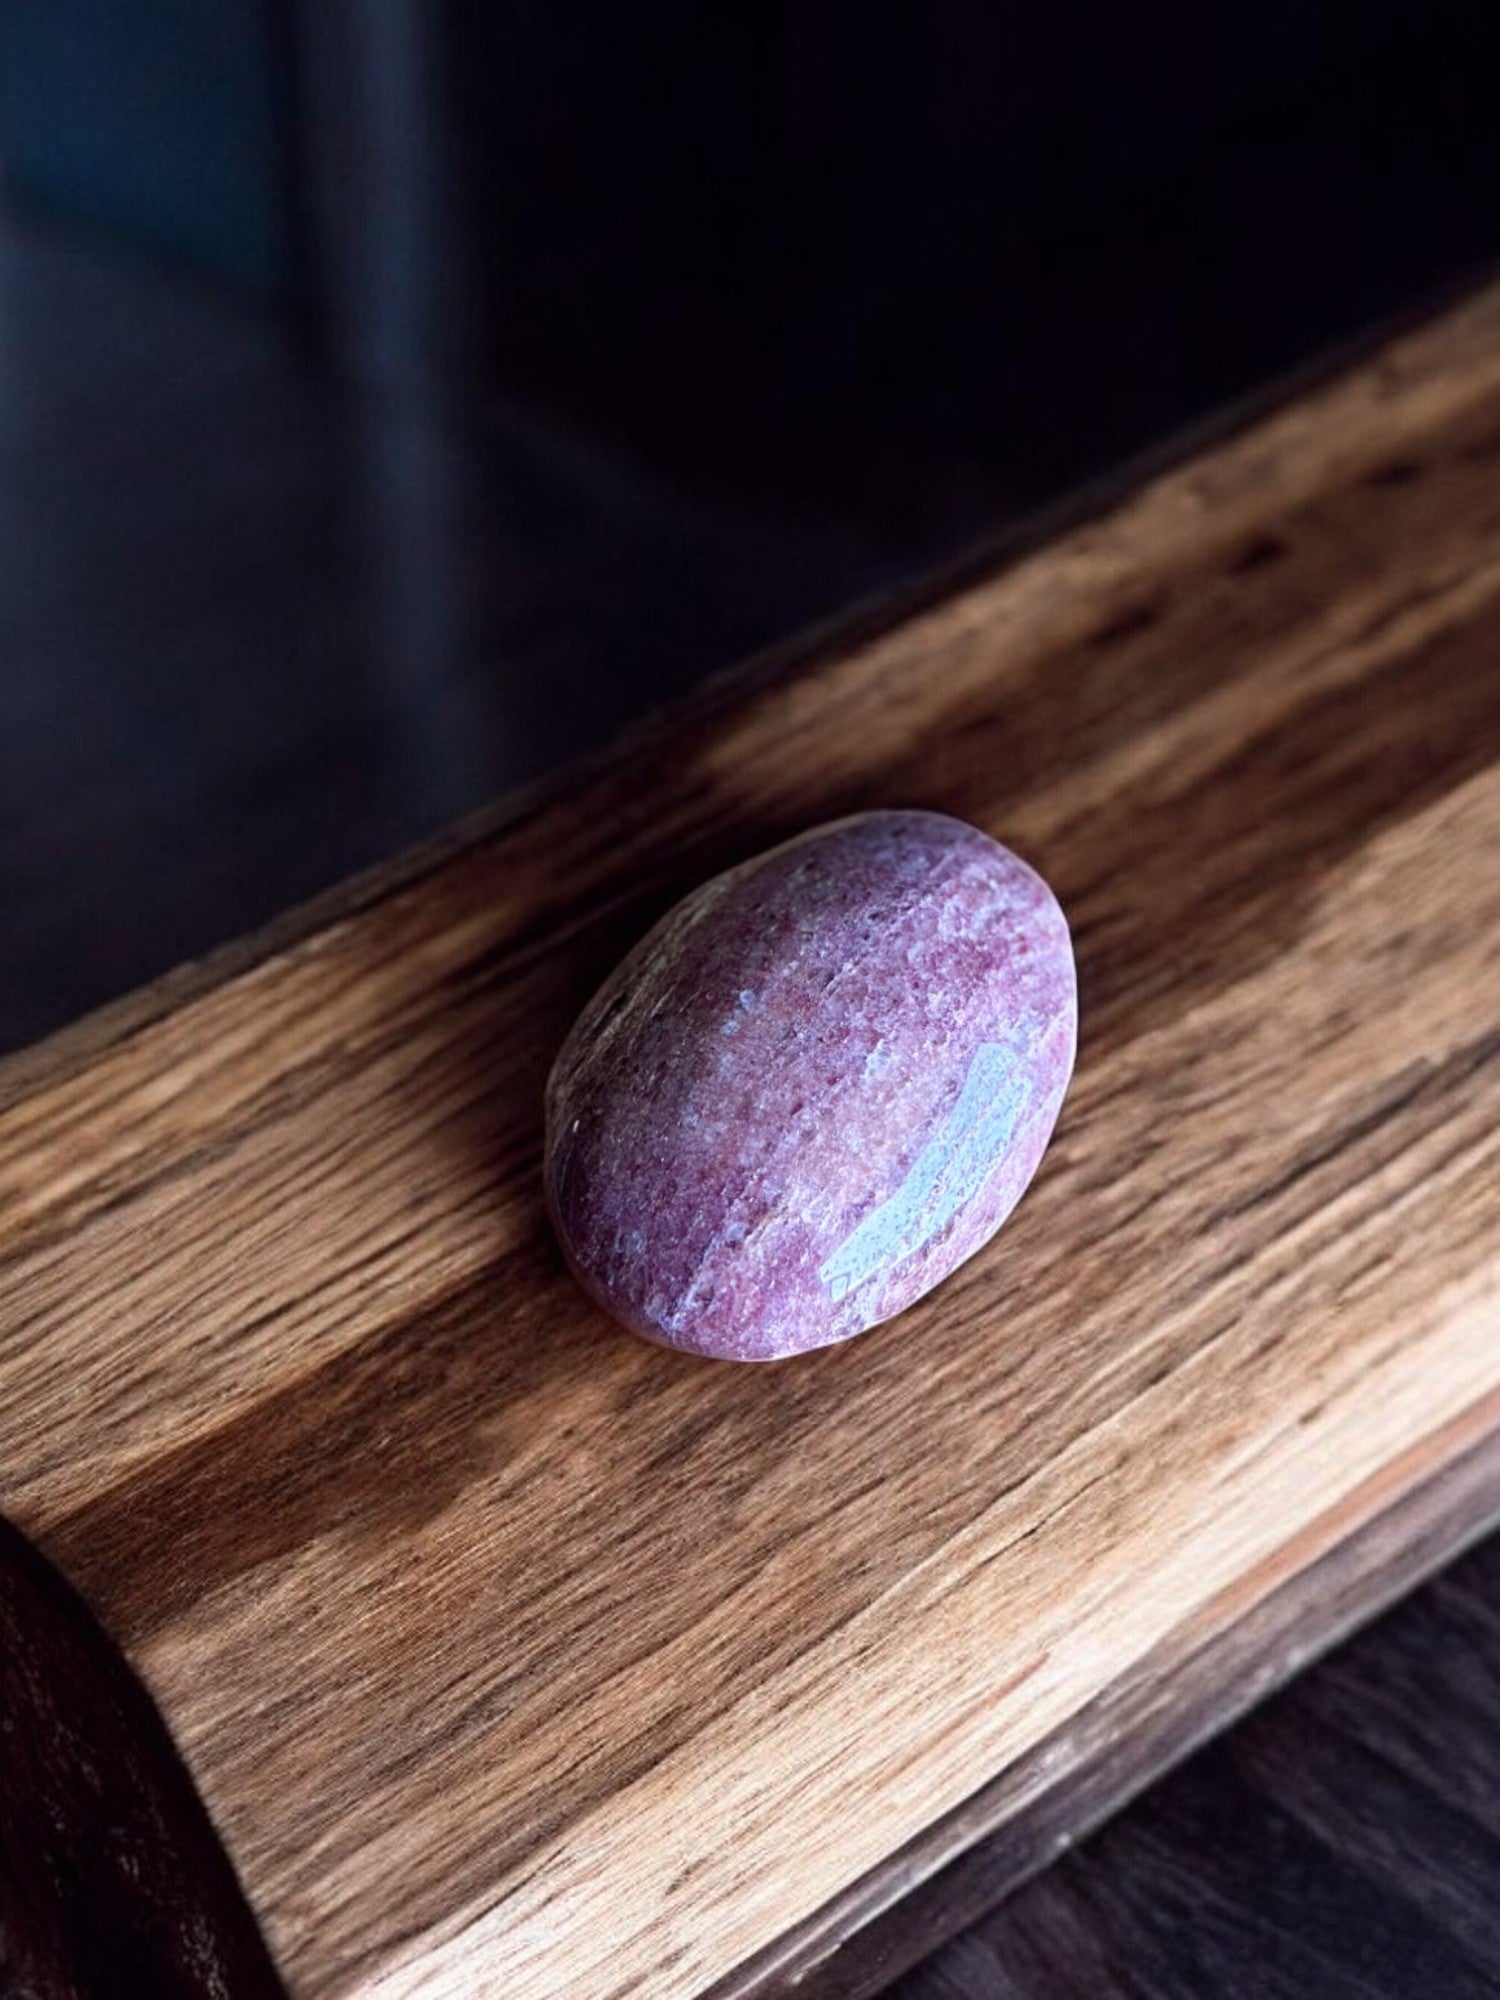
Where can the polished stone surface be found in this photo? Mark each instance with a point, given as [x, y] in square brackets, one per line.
[816, 1088]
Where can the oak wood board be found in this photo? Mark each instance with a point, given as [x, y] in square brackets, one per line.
[1203, 1679]
[513, 1655]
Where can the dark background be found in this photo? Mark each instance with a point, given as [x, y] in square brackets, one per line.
[396, 396]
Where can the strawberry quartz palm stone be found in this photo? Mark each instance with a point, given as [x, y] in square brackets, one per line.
[818, 1086]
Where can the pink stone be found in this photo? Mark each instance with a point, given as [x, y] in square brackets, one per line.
[820, 1084]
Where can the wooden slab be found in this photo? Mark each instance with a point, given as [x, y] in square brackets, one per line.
[514, 1656]
[1205, 1675]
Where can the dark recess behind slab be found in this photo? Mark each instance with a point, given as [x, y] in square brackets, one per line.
[398, 399]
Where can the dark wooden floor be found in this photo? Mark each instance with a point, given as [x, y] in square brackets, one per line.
[1343, 1843]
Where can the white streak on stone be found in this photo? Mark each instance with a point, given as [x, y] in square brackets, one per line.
[945, 1176]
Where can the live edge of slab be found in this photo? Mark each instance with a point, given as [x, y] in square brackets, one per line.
[515, 1656]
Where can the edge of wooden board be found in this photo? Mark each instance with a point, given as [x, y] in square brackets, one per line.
[1219, 1665]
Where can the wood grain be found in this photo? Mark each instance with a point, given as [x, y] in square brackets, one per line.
[113, 1884]
[514, 1656]
[1341, 1843]
[1203, 1676]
